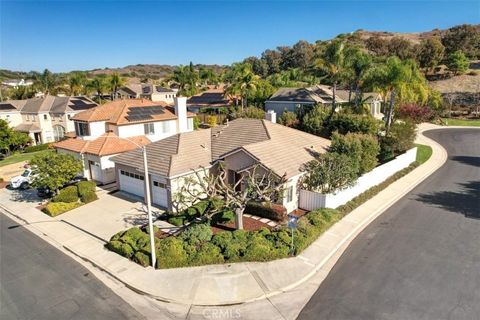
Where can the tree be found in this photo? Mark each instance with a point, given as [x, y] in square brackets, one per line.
[332, 63]
[259, 66]
[54, 170]
[357, 65]
[463, 37]
[430, 53]
[329, 172]
[401, 47]
[115, 82]
[377, 45]
[11, 140]
[256, 184]
[301, 55]
[263, 91]
[46, 82]
[77, 82]
[273, 59]
[457, 62]
[186, 77]
[362, 148]
[99, 85]
[241, 80]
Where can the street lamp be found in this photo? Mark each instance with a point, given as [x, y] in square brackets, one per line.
[147, 198]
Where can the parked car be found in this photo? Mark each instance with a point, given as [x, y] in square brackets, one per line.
[45, 192]
[22, 181]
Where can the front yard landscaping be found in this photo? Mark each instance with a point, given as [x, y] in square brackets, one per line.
[24, 157]
[71, 197]
[199, 245]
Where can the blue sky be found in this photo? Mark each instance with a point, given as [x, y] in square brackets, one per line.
[72, 35]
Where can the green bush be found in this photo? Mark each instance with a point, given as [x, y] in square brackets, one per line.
[88, 197]
[207, 254]
[55, 208]
[68, 194]
[355, 123]
[224, 216]
[266, 210]
[201, 207]
[176, 220]
[171, 254]
[142, 258]
[362, 148]
[38, 147]
[197, 233]
[403, 134]
[85, 187]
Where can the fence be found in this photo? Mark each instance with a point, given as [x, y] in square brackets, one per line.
[310, 200]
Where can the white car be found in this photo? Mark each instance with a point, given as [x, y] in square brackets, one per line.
[22, 181]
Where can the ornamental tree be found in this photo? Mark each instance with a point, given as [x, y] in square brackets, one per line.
[457, 62]
[54, 170]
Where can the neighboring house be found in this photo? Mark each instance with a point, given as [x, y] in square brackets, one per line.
[17, 83]
[239, 145]
[293, 99]
[212, 98]
[147, 91]
[372, 99]
[44, 119]
[137, 120]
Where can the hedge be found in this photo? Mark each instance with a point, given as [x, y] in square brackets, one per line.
[88, 197]
[55, 208]
[68, 194]
[85, 187]
[198, 246]
[266, 210]
[38, 147]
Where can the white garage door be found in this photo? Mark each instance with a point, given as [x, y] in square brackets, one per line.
[132, 183]
[159, 192]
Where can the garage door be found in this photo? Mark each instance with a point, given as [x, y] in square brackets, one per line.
[132, 183]
[159, 192]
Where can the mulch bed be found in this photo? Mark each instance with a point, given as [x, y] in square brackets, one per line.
[249, 224]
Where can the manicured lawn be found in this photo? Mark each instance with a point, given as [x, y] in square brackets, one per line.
[423, 153]
[462, 122]
[21, 157]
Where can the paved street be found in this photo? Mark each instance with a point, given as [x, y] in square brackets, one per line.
[37, 281]
[421, 258]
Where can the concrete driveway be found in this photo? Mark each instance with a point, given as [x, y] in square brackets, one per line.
[109, 215]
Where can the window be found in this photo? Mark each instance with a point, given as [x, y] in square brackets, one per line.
[132, 175]
[82, 129]
[165, 125]
[290, 194]
[44, 117]
[149, 128]
[159, 184]
[58, 132]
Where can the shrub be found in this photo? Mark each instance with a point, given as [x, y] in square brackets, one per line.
[38, 147]
[197, 233]
[201, 207]
[403, 134]
[345, 123]
[142, 258]
[224, 216]
[415, 113]
[251, 112]
[68, 194]
[270, 211]
[314, 121]
[288, 119]
[207, 254]
[88, 197]
[386, 149]
[85, 187]
[171, 254]
[212, 121]
[176, 220]
[55, 208]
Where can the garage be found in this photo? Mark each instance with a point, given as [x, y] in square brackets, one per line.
[159, 193]
[131, 182]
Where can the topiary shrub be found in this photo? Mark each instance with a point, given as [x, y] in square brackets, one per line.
[68, 194]
[85, 187]
[171, 254]
[55, 208]
[270, 211]
[208, 253]
[88, 197]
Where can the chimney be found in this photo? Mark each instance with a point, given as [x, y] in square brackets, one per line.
[271, 116]
[181, 112]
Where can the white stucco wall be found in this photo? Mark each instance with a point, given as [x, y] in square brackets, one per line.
[139, 129]
[312, 200]
[292, 182]
[13, 118]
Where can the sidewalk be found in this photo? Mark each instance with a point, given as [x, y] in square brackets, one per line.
[237, 283]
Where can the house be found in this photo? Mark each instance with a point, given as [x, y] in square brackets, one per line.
[99, 132]
[147, 91]
[44, 119]
[239, 145]
[293, 99]
[17, 83]
[372, 99]
[213, 98]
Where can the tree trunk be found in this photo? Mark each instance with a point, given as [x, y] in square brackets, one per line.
[388, 120]
[334, 100]
[349, 93]
[239, 218]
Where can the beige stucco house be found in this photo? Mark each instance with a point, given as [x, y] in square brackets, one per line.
[147, 91]
[239, 145]
[44, 119]
[121, 126]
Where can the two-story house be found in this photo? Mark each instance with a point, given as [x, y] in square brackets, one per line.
[44, 119]
[147, 91]
[121, 126]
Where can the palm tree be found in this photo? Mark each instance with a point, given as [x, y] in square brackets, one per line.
[76, 82]
[357, 63]
[115, 82]
[241, 80]
[46, 81]
[98, 85]
[186, 77]
[332, 64]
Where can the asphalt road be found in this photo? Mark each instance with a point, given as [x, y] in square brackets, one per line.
[421, 258]
[37, 281]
